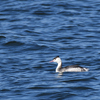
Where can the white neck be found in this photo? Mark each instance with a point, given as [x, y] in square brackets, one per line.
[59, 66]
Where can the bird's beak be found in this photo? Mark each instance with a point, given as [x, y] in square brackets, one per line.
[51, 61]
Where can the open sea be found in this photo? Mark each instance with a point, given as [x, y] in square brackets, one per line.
[32, 33]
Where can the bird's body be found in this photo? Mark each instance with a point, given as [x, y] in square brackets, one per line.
[71, 68]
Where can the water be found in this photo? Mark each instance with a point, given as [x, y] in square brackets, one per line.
[33, 32]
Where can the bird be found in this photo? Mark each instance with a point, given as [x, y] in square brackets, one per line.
[70, 68]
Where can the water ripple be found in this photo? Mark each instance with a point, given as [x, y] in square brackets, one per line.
[33, 33]
[13, 43]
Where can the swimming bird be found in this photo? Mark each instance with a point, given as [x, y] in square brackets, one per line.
[71, 68]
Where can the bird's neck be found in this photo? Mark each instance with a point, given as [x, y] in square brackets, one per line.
[59, 66]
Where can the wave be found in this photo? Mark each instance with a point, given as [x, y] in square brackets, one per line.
[13, 43]
[2, 37]
[35, 46]
[42, 12]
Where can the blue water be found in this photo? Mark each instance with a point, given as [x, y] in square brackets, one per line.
[33, 32]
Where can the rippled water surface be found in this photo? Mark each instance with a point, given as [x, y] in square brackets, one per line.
[33, 32]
